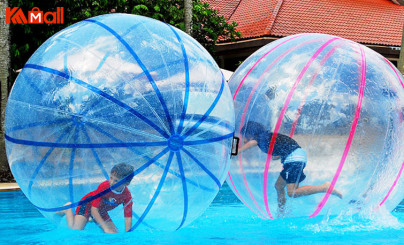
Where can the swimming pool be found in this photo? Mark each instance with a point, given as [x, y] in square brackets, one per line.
[226, 221]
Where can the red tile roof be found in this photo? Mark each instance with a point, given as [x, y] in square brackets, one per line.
[225, 8]
[364, 21]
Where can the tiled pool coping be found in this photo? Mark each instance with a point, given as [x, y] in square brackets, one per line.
[9, 187]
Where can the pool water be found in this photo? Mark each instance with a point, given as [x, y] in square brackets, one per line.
[226, 221]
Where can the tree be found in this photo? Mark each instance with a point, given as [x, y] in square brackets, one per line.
[208, 26]
[188, 16]
[4, 71]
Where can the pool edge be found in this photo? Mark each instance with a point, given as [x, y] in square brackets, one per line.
[9, 187]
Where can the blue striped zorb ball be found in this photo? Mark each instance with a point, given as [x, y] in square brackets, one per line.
[121, 88]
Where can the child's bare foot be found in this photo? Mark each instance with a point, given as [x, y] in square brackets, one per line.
[334, 192]
[63, 212]
[281, 212]
[280, 215]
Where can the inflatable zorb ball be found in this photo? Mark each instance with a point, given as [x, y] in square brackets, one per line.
[121, 88]
[342, 103]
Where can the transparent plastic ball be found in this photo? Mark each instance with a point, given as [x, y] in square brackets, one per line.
[342, 104]
[116, 89]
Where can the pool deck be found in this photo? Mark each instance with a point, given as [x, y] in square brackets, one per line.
[9, 187]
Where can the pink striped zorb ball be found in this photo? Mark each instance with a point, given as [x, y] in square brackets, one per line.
[341, 103]
[121, 88]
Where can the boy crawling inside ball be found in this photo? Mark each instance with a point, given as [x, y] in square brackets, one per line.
[99, 207]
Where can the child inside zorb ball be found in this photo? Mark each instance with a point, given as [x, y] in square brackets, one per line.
[334, 100]
[120, 88]
[293, 159]
[107, 197]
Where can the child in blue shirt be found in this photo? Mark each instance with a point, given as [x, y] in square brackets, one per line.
[293, 158]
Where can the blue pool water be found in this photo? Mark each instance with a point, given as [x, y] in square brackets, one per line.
[226, 221]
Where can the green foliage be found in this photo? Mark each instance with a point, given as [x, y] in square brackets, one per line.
[208, 26]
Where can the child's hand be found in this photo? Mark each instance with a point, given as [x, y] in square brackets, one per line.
[110, 230]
